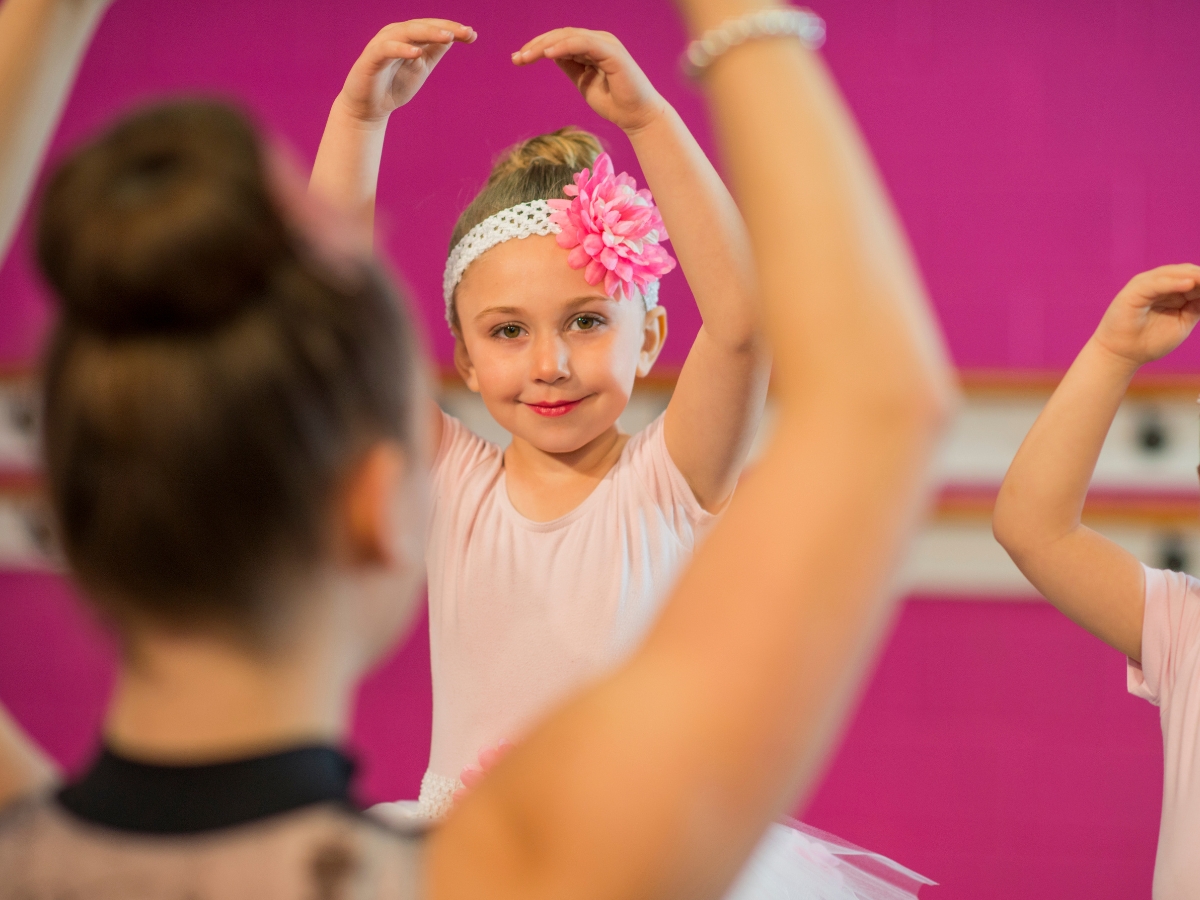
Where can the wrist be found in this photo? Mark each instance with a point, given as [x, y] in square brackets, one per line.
[351, 114]
[704, 15]
[1120, 364]
[653, 115]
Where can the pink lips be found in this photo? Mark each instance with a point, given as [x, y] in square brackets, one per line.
[553, 410]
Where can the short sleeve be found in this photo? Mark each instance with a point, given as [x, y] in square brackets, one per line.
[460, 451]
[1170, 635]
[663, 481]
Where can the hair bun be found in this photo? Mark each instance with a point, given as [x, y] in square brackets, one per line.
[569, 147]
[166, 225]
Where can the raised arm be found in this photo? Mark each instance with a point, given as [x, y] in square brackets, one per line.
[41, 44]
[386, 76]
[718, 400]
[1037, 518]
[659, 780]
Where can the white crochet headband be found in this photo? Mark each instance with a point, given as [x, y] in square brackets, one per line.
[515, 223]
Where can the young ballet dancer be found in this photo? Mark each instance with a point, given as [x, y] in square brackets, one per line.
[41, 44]
[548, 560]
[236, 470]
[1150, 615]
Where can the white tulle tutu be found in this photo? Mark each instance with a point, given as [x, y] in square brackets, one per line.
[793, 861]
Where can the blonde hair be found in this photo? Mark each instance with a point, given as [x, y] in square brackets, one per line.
[536, 169]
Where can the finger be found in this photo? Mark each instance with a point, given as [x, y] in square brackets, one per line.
[573, 69]
[533, 50]
[464, 33]
[1176, 273]
[591, 50]
[417, 32]
[380, 55]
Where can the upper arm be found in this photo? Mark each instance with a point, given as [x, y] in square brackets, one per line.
[1095, 582]
[713, 416]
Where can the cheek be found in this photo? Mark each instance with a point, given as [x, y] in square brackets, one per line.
[499, 370]
[624, 350]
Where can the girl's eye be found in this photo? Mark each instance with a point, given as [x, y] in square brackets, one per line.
[586, 323]
[508, 331]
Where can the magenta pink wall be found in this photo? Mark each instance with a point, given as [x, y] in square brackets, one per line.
[995, 749]
[1040, 152]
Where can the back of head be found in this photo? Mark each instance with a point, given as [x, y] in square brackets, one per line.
[209, 382]
[536, 169]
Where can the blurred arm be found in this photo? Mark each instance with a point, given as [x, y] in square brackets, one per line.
[23, 767]
[41, 44]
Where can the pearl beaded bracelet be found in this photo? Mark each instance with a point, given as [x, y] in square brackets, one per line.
[791, 22]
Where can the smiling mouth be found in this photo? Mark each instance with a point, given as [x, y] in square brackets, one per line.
[553, 410]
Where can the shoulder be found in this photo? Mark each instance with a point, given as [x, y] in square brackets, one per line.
[648, 460]
[460, 449]
[1170, 635]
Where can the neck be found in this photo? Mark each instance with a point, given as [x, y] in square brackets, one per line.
[197, 697]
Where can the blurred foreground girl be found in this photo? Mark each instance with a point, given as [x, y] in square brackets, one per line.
[236, 458]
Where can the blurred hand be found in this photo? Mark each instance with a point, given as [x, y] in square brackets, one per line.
[610, 81]
[1153, 314]
[396, 63]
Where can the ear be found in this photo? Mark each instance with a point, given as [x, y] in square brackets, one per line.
[654, 335]
[371, 532]
[462, 362]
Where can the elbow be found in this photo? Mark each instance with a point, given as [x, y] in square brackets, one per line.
[925, 402]
[1009, 526]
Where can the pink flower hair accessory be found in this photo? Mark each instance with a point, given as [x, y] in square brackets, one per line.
[613, 230]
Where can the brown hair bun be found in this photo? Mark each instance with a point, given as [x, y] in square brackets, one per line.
[168, 226]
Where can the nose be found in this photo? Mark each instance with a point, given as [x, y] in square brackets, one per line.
[551, 359]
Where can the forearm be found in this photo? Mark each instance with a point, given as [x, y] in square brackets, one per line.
[41, 44]
[346, 172]
[23, 767]
[707, 232]
[1043, 494]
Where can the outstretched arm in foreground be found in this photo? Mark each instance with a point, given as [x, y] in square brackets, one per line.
[1037, 518]
[41, 44]
[659, 780]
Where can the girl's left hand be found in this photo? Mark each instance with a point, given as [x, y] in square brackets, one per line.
[396, 63]
[611, 82]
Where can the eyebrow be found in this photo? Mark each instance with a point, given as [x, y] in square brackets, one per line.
[516, 311]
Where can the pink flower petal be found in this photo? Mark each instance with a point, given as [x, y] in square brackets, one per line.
[595, 272]
[612, 229]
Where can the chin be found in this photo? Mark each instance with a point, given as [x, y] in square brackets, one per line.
[561, 435]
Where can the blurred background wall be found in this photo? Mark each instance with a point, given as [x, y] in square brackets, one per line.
[1040, 153]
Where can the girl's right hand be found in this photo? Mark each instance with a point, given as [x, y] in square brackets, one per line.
[1153, 314]
[396, 63]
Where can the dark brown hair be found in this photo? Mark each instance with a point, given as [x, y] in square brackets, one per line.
[536, 169]
[209, 383]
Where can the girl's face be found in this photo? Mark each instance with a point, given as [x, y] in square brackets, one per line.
[553, 357]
